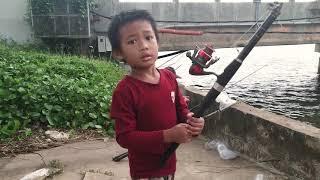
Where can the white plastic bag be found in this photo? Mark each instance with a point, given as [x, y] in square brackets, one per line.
[41, 174]
[37, 175]
[224, 101]
[222, 149]
[226, 153]
[259, 177]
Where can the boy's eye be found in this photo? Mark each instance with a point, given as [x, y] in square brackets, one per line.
[133, 41]
[149, 37]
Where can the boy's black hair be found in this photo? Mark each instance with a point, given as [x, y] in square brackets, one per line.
[124, 18]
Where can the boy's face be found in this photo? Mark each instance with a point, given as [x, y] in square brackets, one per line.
[138, 45]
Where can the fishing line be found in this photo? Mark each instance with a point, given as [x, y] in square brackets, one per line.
[171, 54]
[236, 42]
[231, 86]
[178, 67]
[169, 59]
[175, 62]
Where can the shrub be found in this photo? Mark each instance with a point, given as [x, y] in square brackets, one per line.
[55, 91]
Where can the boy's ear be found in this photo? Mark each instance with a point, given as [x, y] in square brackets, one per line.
[117, 55]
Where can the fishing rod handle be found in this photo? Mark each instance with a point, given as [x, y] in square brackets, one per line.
[173, 146]
[119, 157]
[165, 156]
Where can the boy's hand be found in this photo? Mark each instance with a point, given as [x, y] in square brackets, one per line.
[196, 124]
[179, 134]
[187, 99]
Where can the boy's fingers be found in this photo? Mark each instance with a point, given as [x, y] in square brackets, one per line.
[190, 114]
[195, 120]
[194, 129]
[193, 134]
[195, 124]
[184, 125]
[189, 140]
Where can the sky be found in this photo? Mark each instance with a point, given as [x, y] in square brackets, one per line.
[197, 1]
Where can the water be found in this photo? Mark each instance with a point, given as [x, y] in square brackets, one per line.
[284, 79]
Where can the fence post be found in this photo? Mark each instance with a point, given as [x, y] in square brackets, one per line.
[319, 66]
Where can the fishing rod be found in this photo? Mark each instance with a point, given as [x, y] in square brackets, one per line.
[228, 73]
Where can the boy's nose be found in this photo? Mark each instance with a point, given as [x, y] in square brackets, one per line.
[143, 45]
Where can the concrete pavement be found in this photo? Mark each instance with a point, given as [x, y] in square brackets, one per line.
[92, 160]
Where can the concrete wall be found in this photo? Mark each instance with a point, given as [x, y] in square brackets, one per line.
[220, 12]
[12, 24]
[225, 40]
[215, 11]
[274, 141]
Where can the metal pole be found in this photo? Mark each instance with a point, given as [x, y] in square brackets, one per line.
[291, 8]
[31, 14]
[257, 9]
[218, 10]
[317, 49]
[88, 14]
[319, 66]
[68, 15]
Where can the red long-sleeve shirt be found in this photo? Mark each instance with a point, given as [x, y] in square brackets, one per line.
[141, 112]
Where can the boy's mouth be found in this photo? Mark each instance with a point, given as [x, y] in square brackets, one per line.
[146, 57]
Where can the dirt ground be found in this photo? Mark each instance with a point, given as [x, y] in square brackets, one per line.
[38, 140]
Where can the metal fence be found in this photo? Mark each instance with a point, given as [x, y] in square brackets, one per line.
[61, 19]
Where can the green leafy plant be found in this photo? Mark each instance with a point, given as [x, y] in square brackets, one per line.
[54, 91]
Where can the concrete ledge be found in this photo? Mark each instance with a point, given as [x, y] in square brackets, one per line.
[290, 146]
[317, 48]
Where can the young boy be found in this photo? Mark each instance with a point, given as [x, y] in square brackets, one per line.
[149, 110]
